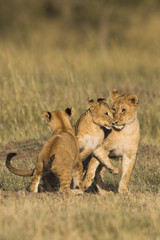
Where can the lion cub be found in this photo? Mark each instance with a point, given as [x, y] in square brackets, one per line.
[122, 141]
[92, 128]
[60, 154]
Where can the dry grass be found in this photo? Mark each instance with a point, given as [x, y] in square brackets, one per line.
[90, 217]
[51, 78]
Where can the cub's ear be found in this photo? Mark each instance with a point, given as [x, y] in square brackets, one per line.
[69, 111]
[91, 103]
[46, 116]
[114, 94]
[133, 99]
[102, 100]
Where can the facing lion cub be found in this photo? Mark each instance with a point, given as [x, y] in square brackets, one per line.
[92, 128]
[60, 154]
[122, 141]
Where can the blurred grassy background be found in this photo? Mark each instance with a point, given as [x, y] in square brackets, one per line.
[57, 53]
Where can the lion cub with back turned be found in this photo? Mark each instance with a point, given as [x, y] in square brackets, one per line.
[122, 141]
[60, 154]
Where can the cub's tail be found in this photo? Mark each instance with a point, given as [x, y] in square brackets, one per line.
[19, 172]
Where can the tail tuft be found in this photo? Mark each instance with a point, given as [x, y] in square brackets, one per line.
[16, 171]
[9, 156]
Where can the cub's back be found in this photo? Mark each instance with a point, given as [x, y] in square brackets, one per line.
[62, 145]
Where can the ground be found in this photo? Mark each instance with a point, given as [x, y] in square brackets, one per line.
[52, 215]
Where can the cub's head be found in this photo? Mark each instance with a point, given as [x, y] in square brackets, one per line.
[101, 113]
[58, 119]
[124, 109]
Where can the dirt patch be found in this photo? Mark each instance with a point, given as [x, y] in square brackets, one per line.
[29, 148]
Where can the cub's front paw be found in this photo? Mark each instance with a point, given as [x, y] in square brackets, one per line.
[87, 183]
[33, 189]
[123, 190]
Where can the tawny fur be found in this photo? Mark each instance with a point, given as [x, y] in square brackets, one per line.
[60, 154]
[92, 128]
[122, 141]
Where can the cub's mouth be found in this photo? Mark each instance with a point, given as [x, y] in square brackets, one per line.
[107, 127]
[118, 127]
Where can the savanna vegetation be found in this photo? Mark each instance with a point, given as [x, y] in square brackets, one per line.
[55, 54]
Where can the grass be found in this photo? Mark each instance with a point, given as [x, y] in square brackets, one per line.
[93, 217]
[50, 79]
[63, 71]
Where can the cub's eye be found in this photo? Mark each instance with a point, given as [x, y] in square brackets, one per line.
[113, 109]
[123, 110]
[106, 114]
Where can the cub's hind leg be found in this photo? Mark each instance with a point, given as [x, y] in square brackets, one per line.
[65, 182]
[77, 174]
[65, 178]
[91, 170]
[36, 177]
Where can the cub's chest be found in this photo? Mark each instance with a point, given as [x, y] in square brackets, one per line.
[122, 143]
[93, 141]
